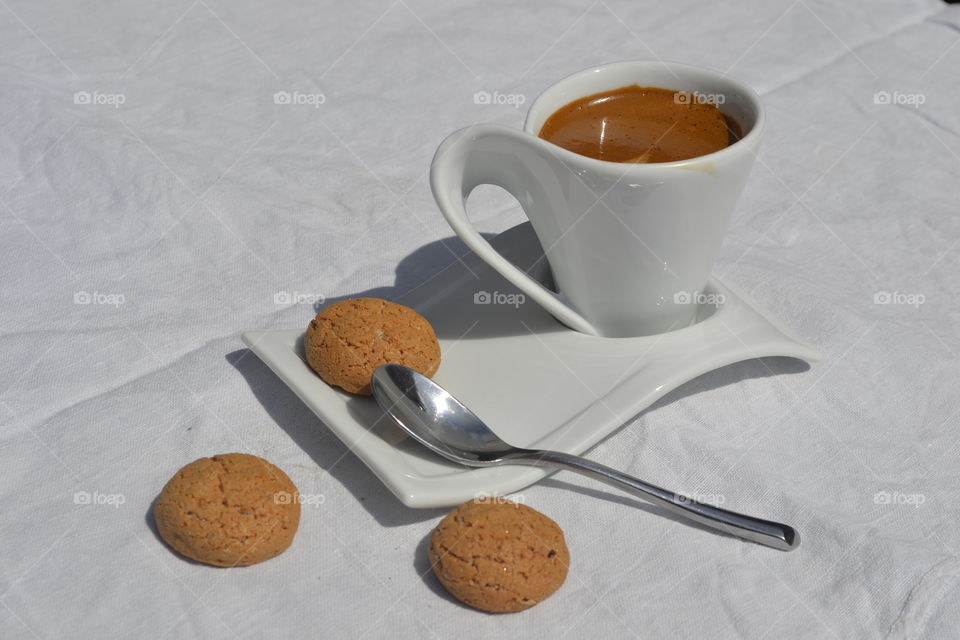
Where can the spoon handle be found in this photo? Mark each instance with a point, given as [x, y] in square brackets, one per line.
[772, 534]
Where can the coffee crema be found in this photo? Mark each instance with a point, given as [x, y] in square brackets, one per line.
[640, 125]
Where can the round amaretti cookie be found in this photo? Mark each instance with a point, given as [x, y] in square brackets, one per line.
[229, 510]
[498, 556]
[348, 340]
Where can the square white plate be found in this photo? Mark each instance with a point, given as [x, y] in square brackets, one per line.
[534, 381]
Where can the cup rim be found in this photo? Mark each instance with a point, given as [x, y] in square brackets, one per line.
[748, 142]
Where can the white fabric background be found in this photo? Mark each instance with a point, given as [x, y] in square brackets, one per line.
[199, 199]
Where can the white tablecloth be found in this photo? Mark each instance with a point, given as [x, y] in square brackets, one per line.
[168, 171]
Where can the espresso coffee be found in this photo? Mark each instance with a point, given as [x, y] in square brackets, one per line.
[641, 124]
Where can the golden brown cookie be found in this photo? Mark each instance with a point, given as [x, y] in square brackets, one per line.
[229, 510]
[499, 556]
[348, 340]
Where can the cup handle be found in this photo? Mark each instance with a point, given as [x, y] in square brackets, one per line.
[520, 164]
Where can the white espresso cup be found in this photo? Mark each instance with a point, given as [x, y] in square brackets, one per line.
[630, 245]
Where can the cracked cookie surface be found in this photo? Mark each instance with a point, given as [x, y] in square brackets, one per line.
[348, 340]
[498, 556]
[228, 510]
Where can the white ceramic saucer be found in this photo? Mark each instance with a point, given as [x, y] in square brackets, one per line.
[534, 381]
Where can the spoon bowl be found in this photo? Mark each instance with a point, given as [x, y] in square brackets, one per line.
[437, 420]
